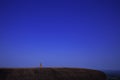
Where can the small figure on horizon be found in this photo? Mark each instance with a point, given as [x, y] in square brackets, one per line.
[40, 65]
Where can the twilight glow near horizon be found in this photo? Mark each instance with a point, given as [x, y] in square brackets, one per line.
[60, 33]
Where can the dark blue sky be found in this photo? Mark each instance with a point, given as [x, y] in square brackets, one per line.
[60, 33]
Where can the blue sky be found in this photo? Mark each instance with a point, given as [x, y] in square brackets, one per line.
[60, 33]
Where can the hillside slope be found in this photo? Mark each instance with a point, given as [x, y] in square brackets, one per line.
[51, 74]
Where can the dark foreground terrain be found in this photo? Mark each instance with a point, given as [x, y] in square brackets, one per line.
[50, 74]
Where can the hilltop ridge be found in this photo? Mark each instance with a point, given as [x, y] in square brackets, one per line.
[51, 74]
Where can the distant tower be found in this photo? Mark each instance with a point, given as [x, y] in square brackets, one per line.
[40, 65]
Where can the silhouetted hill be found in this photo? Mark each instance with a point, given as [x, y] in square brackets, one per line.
[50, 74]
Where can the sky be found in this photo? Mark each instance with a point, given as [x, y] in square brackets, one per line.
[60, 33]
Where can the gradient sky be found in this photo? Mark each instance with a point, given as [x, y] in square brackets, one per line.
[60, 33]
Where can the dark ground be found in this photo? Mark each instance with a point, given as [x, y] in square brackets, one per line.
[50, 74]
[113, 74]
